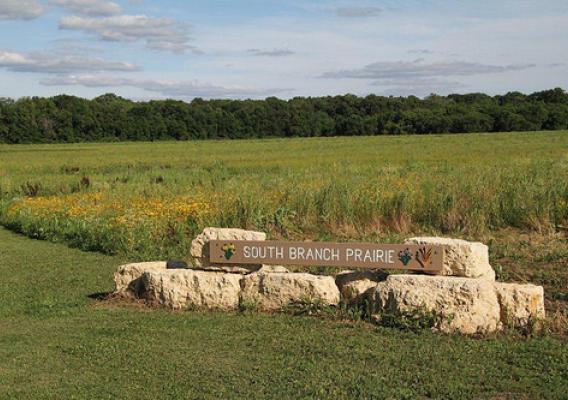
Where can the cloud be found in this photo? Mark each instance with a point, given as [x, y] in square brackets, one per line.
[271, 53]
[402, 70]
[358, 12]
[89, 7]
[418, 78]
[420, 51]
[57, 64]
[158, 33]
[172, 88]
[20, 9]
[419, 87]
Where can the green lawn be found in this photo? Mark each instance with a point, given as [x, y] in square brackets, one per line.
[58, 342]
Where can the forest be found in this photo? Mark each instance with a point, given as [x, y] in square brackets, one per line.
[68, 119]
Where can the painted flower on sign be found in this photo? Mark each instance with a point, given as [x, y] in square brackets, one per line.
[229, 249]
[405, 256]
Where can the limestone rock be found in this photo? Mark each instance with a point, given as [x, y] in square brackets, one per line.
[182, 289]
[520, 305]
[353, 285]
[200, 248]
[468, 306]
[127, 277]
[271, 269]
[461, 258]
[272, 291]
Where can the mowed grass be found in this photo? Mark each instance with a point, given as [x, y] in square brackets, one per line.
[57, 341]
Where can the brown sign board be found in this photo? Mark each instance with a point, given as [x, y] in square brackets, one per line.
[354, 255]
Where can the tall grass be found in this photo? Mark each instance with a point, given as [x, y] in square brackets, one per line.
[334, 188]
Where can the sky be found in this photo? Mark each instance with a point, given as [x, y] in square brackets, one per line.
[145, 49]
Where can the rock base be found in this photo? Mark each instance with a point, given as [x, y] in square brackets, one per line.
[463, 294]
[465, 305]
[270, 289]
[187, 289]
[127, 277]
[520, 305]
[353, 285]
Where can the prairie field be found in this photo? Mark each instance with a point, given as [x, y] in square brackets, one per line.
[141, 201]
[147, 201]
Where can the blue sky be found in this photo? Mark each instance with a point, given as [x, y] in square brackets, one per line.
[144, 49]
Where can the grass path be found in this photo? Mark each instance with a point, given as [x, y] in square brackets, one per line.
[56, 342]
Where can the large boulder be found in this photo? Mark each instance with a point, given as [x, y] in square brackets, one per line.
[272, 291]
[461, 258]
[200, 248]
[127, 277]
[521, 305]
[466, 306]
[188, 289]
[353, 285]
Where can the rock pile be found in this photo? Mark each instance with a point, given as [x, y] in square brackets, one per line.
[464, 293]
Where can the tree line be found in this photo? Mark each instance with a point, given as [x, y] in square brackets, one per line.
[109, 117]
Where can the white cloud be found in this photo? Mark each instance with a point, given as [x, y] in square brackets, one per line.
[89, 7]
[420, 51]
[420, 78]
[50, 63]
[419, 86]
[20, 9]
[401, 70]
[158, 33]
[172, 88]
[270, 53]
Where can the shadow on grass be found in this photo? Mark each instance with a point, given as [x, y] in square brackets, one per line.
[100, 296]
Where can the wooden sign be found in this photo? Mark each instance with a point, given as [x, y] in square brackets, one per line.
[355, 255]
